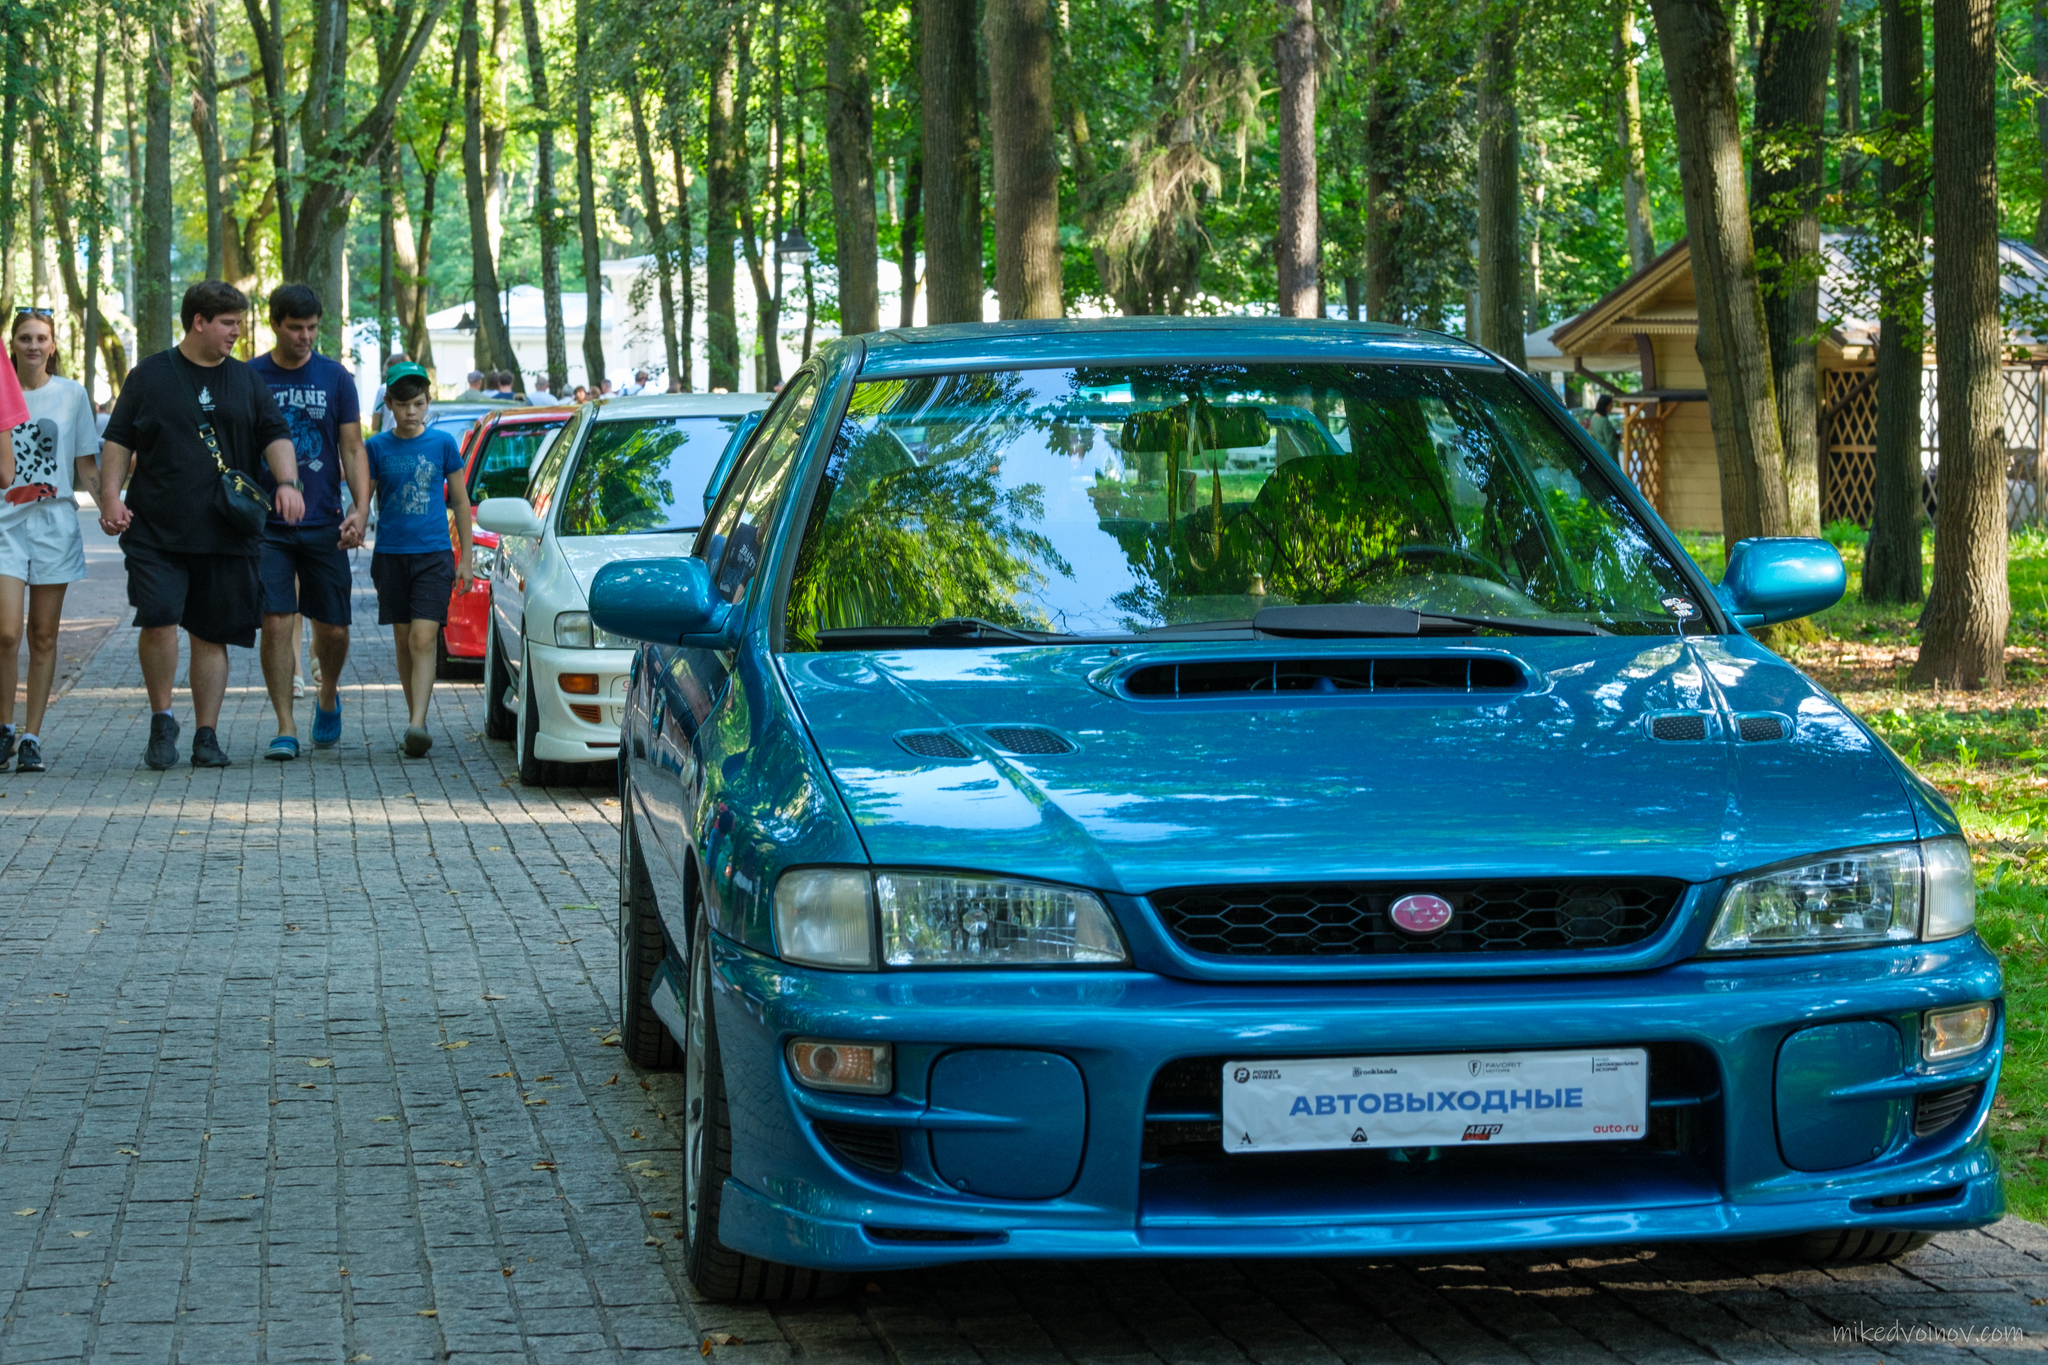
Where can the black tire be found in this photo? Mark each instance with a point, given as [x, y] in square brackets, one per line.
[533, 771]
[1851, 1244]
[499, 721]
[717, 1271]
[645, 1039]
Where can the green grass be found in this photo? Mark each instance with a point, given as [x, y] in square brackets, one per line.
[1988, 753]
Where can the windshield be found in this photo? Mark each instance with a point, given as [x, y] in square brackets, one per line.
[636, 478]
[1120, 499]
[508, 455]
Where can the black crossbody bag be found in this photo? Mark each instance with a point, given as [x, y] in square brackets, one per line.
[238, 498]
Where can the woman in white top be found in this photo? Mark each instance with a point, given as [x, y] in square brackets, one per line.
[41, 547]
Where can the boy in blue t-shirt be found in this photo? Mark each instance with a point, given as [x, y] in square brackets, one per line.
[417, 474]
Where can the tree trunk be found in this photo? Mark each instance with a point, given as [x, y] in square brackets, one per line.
[1298, 250]
[1635, 177]
[767, 299]
[10, 131]
[546, 213]
[686, 252]
[721, 222]
[206, 129]
[586, 210]
[1849, 105]
[1734, 348]
[1963, 643]
[387, 260]
[906, 239]
[1891, 560]
[155, 313]
[1027, 169]
[112, 353]
[269, 30]
[950, 132]
[493, 345]
[2040, 46]
[650, 206]
[1791, 113]
[494, 127]
[849, 147]
[1500, 187]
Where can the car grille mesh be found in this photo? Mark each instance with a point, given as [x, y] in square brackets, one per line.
[1937, 1110]
[867, 1145]
[1028, 739]
[1760, 729]
[1679, 727]
[932, 744]
[1349, 919]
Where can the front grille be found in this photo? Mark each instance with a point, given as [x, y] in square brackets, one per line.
[932, 744]
[866, 1145]
[585, 711]
[1340, 919]
[1935, 1111]
[1028, 739]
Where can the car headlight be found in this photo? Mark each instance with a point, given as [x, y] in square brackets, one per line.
[827, 917]
[483, 560]
[573, 630]
[1893, 894]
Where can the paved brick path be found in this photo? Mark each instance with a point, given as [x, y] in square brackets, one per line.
[306, 1062]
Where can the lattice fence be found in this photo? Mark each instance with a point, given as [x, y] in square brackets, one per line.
[1642, 446]
[1848, 466]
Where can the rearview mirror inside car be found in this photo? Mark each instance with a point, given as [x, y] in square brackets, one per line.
[1781, 578]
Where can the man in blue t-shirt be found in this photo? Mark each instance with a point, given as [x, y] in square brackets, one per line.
[418, 474]
[304, 568]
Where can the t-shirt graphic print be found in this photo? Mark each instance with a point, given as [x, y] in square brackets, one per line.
[35, 462]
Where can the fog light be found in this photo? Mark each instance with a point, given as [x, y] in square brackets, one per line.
[826, 1065]
[582, 684]
[1947, 1034]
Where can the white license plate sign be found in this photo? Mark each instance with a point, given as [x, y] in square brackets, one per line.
[1444, 1099]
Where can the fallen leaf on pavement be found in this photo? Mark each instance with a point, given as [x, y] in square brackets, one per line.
[533, 1103]
[659, 1213]
[543, 1078]
[543, 1165]
[723, 1339]
[452, 1046]
[81, 1234]
[609, 1040]
[614, 1080]
[636, 1132]
[307, 1085]
[645, 1086]
[507, 1272]
[428, 1313]
[500, 1075]
[26, 1213]
[385, 1118]
[319, 1061]
[495, 997]
[457, 1164]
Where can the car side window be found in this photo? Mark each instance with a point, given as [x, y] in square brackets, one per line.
[735, 545]
[540, 490]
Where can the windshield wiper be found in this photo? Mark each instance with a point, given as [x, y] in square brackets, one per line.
[951, 630]
[663, 530]
[1523, 625]
[1353, 620]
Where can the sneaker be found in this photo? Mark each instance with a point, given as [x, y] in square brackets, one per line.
[29, 757]
[163, 741]
[8, 741]
[283, 749]
[417, 741]
[206, 750]
[327, 726]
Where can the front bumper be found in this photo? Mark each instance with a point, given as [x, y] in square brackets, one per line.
[796, 1197]
[468, 631]
[565, 735]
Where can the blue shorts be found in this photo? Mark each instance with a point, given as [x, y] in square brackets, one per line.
[304, 569]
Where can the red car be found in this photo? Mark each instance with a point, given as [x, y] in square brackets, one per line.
[498, 450]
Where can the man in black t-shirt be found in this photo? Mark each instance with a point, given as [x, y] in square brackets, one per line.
[187, 565]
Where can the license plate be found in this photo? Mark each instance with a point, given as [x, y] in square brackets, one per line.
[1439, 1100]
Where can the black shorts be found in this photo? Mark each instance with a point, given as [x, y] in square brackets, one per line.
[304, 568]
[213, 597]
[413, 587]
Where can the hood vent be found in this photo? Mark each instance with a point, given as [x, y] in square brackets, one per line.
[933, 744]
[1456, 673]
[1762, 727]
[1679, 727]
[1033, 740]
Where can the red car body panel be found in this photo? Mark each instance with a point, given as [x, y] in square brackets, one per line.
[467, 633]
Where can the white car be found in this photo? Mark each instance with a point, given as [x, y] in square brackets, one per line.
[627, 478]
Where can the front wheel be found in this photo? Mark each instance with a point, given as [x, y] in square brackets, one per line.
[642, 946]
[717, 1271]
[500, 721]
[534, 771]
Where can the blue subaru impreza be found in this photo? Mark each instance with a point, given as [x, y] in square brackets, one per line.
[1263, 789]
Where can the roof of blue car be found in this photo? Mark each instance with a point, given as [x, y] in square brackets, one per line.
[1158, 340]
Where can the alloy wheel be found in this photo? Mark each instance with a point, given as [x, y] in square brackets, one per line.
[696, 1102]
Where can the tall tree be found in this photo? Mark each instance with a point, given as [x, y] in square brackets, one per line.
[906, 240]
[1381, 207]
[155, 311]
[1891, 561]
[1635, 178]
[1698, 48]
[950, 133]
[722, 190]
[2039, 34]
[1298, 249]
[586, 209]
[496, 67]
[849, 148]
[1500, 186]
[1849, 94]
[686, 254]
[200, 31]
[493, 340]
[1963, 642]
[1026, 161]
[650, 208]
[1791, 108]
[546, 213]
[11, 48]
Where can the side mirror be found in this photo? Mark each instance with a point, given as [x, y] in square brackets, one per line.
[1781, 578]
[661, 601]
[730, 456]
[509, 517]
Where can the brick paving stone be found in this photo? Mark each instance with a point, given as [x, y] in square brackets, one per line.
[262, 1026]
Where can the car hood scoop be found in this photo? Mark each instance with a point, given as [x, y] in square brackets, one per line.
[1130, 785]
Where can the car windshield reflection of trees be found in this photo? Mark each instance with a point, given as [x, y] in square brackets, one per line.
[1115, 500]
[640, 478]
[507, 458]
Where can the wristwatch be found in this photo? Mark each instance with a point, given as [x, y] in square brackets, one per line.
[291, 483]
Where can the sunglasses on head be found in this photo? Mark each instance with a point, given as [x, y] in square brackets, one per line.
[34, 313]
